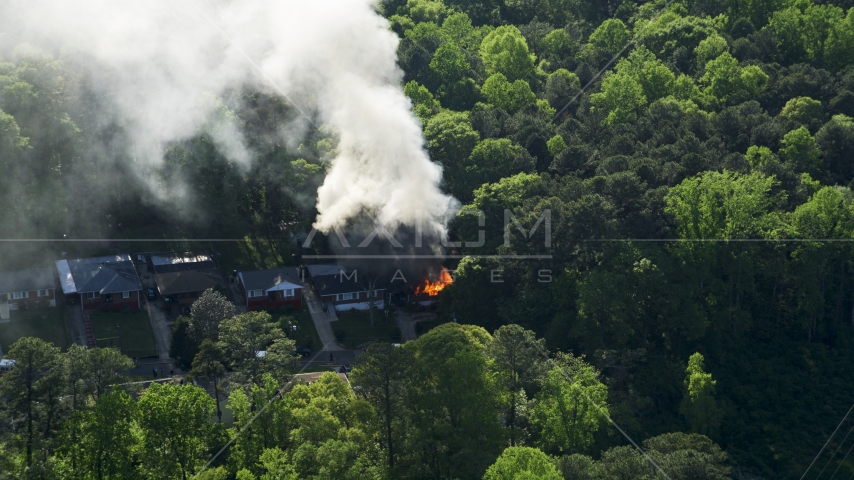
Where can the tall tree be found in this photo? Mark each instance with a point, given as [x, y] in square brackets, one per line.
[103, 439]
[381, 373]
[36, 363]
[571, 406]
[518, 463]
[208, 364]
[698, 405]
[104, 367]
[519, 358]
[175, 426]
[208, 311]
[244, 337]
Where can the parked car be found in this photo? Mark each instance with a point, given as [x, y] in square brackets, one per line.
[303, 351]
[152, 293]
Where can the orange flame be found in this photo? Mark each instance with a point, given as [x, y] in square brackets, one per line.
[433, 288]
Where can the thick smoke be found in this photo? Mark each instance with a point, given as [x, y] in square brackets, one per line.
[158, 66]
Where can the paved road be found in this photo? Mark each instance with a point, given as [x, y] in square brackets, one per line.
[156, 314]
[320, 319]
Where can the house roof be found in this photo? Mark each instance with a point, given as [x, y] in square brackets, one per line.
[109, 274]
[326, 269]
[26, 280]
[173, 283]
[180, 262]
[272, 279]
[334, 284]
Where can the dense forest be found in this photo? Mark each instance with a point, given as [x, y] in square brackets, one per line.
[696, 160]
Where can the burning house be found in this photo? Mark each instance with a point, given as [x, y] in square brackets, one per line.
[427, 292]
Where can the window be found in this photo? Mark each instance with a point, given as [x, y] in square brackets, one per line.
[346, 296]
[289, 292]
[256, 293]
[125, 294]
[91, 295]
[18, 295]
[43, 293]
[376, 293]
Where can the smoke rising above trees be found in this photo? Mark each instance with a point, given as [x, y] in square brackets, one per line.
[156, 73]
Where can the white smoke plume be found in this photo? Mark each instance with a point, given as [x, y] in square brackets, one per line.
[157, 67]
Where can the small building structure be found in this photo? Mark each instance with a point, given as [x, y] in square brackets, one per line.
[272, 288]
[181, 278]
[101, 283]
[33, 288]
[6, 365]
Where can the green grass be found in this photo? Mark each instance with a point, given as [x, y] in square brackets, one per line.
[306, 334]
[354, 328]
[45, 323]
[137, 338]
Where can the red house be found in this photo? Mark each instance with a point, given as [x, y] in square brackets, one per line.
[272, 288]
[26, 288]
[102, 283]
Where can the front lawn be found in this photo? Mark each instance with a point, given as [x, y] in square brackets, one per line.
[353, 329]
[305, 334]
[45, 323]
[133, 328]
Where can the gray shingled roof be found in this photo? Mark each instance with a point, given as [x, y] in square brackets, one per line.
[26, 280]
[109, 274]
[266, 279]
[173, 283]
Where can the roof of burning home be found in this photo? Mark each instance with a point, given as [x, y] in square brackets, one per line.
[26, 280]
[173, 283]
[109, 274]
[268, 279]
[179, 262]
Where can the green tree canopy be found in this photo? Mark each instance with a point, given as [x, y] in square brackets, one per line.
[518, 463]
[698, 406]
[571, 406]
[506, 95]
[611, 35]
[505, 51]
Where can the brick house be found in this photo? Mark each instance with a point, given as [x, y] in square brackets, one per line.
[103, 283]
[271, 288]
[181, 278]
[340, 288]
[26, 288]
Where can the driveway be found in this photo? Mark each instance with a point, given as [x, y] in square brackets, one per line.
[406, 326]
[156, 314]
[75, 323]
[236, 296]
[320, 319]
